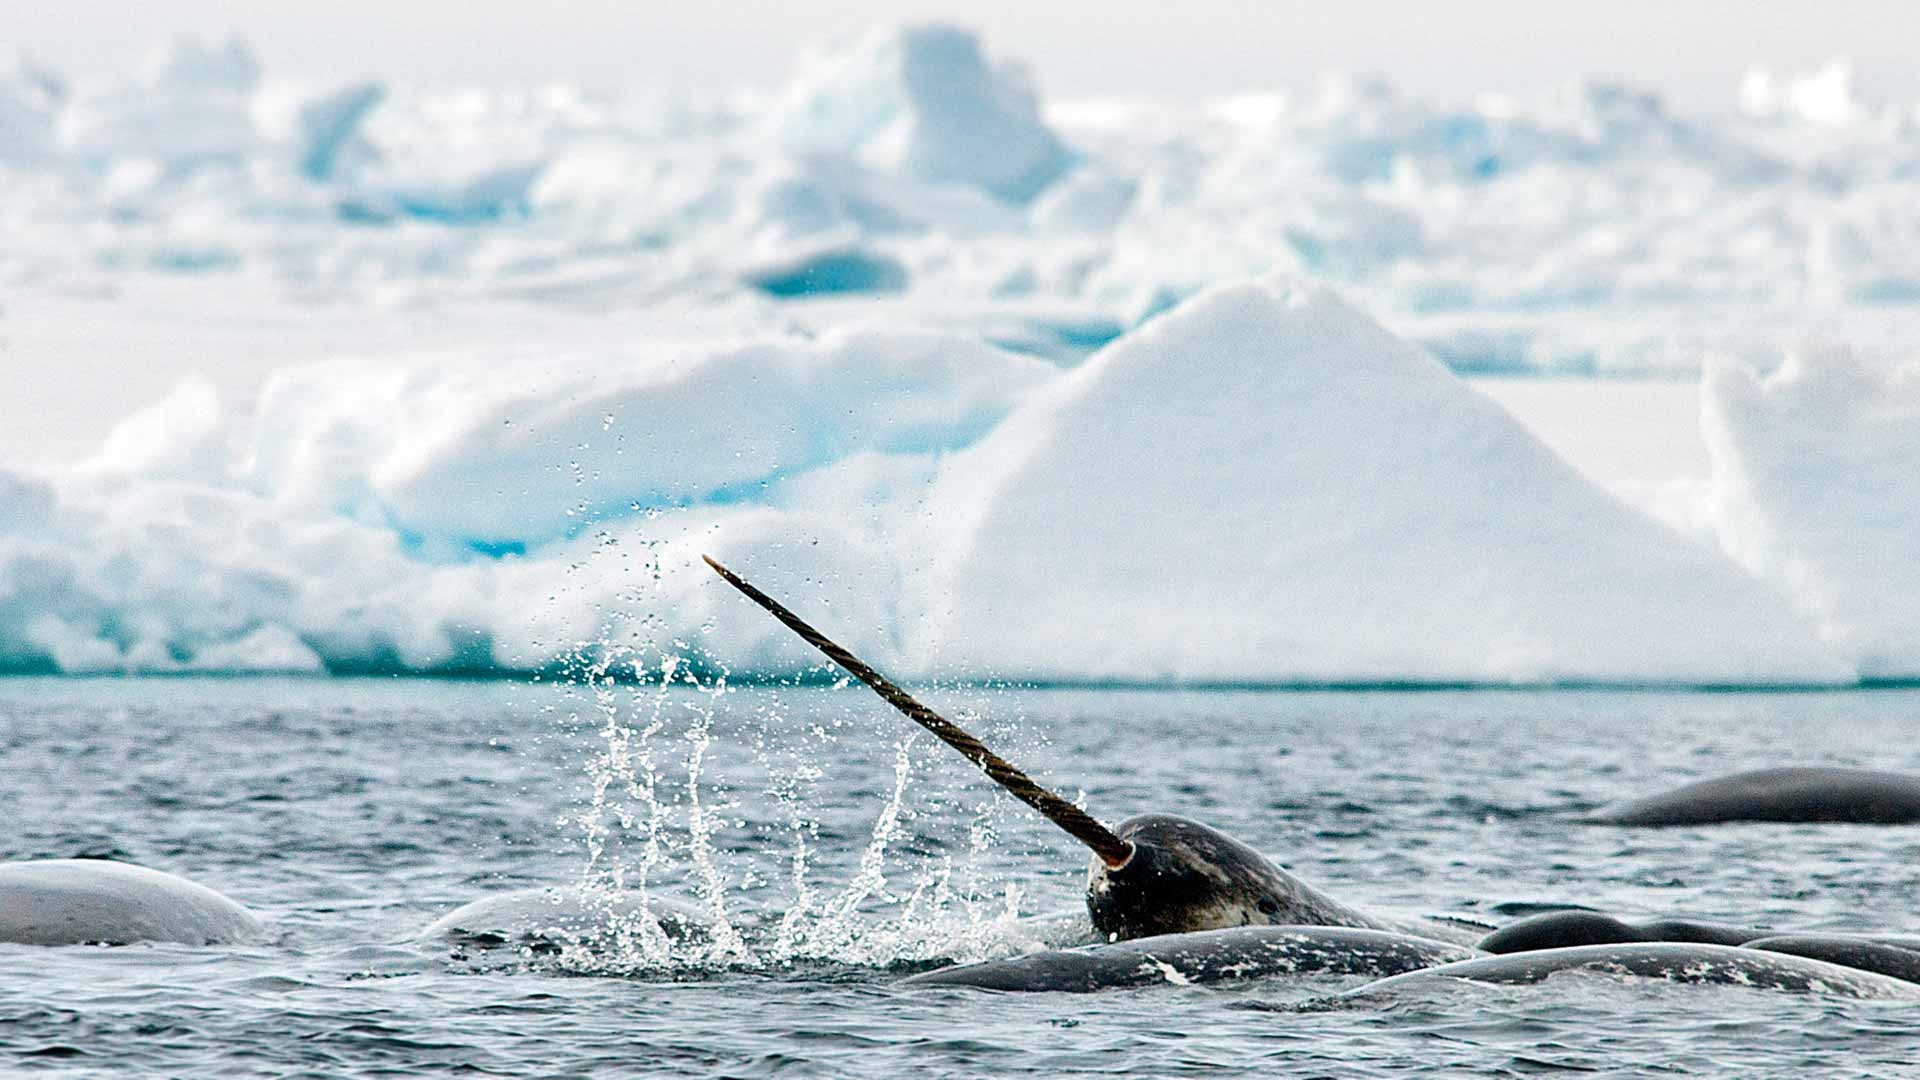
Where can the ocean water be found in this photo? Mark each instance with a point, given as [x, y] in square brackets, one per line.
[845, 853]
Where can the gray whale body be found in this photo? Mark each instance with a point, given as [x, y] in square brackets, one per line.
[1797, 794]
[97, 902]
[1716, 965]
[1204, 956]
[557, 915]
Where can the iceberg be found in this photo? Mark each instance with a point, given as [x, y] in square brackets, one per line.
[29, 103]
[920, 102]
[521, 450]
[192, 106]
[1823, 97]
[1816, 488]
[321, 131]
[1263, 485]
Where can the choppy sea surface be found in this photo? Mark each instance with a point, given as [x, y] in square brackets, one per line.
[845, 853]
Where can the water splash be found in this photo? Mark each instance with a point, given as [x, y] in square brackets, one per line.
[659, 822]
[711, 837]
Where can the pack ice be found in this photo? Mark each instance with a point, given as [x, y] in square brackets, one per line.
[1260, 485]
[1589, 228]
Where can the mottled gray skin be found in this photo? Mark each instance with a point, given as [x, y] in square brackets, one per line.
[97, 902]
[1864, 954]
[1893, 956]
[1184, 876]
[1858, 796]
[1205, 956]
[557, 916]
[1720, 965]
[1564, 929]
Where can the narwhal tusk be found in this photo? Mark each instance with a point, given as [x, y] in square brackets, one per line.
[1077, 822]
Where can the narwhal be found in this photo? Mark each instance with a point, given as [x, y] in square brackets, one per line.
[1795, 794]
[1177, 901]
[1154, 874]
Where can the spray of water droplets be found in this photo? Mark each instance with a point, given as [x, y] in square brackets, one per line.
[716, 835]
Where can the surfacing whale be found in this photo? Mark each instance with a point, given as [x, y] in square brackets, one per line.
[1564, 929]
[1157, 873]
[1799, 794]
[1862, 953]
[1716, 965]
[1893, 955]
[97, 902]
[1204, 956]
[543, 919]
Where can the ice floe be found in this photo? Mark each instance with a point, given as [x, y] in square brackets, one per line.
[1264, 485]
[921, 102]
[1816, 472]
[1261, 485]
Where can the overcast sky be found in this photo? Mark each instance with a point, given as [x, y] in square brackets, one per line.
[1692, 50]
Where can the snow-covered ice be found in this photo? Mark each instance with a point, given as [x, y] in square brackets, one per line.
[1260, 485]
[920, 101]
[1264, 485]
[1000, 383]
[915, 163]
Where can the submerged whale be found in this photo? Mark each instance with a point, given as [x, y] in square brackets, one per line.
[1156, 874]
[1204, 956]
[97, 902]
[1720, 965]
[562, 915]
[1798, 794]
[1894, 955]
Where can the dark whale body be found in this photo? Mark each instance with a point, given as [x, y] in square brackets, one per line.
[1566, 929]
[1821, 794]
[1863, 953]
[1205, 956]
[1892, 955]
[1716, 965]
[1184, 877]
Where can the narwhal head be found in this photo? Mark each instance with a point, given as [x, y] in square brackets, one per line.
[1185, 876]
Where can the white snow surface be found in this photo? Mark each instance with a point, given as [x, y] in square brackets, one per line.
[1817, 489]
